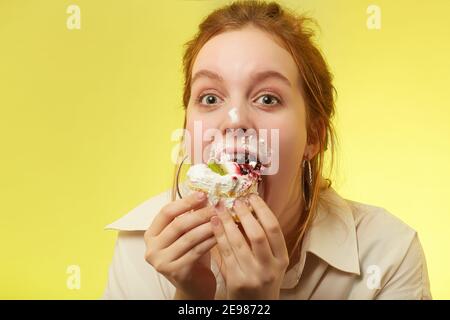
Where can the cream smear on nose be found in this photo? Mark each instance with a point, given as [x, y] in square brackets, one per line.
[234, 117]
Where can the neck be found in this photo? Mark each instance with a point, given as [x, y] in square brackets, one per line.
[290, 224]
[288, 208]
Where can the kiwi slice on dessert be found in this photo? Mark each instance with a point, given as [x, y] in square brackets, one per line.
[217, 168]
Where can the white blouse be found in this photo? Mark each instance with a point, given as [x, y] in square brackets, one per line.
[351, 251]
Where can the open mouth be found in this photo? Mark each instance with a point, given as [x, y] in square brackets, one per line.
[246, 160]
[244, 155]
[251, 154]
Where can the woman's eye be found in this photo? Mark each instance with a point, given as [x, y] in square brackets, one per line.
[268, 100]
[208, 99]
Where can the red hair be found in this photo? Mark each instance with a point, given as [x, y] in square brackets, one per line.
[295, 34]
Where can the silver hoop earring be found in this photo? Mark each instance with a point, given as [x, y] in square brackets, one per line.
[178, 176]
[307, 183]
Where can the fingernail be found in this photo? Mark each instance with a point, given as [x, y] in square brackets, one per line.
[217, 210]
[212, 211]
[200, 195]
[215, 221]
[219, 207]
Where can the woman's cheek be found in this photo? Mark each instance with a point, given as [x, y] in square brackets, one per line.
[292, 145]
[199, 138]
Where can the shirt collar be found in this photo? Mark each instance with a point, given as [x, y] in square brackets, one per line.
[139, 218]
[331, 235]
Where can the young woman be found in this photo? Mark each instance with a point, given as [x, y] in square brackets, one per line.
[253, 65]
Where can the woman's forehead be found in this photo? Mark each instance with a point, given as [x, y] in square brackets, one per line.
[242, 53]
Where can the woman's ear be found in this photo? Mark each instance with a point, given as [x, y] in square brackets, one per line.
[318, 135]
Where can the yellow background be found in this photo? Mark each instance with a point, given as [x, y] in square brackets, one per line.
[86, 118]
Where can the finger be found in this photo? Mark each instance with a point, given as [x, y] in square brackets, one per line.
[195, 253]
[182, 224]
[270, 225]
[238, 244]
[188, 241]
[224, 246]
[175, 208]
[220, 265]
[255, 233]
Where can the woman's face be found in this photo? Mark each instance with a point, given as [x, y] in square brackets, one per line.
[245, 79]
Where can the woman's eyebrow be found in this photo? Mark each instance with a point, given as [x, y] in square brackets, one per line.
[261, 76]
[256, 77]
[206, 74]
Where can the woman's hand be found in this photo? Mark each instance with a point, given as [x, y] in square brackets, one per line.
[178, 243]
[253, 271]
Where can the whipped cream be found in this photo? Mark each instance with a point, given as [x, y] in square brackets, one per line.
[228, 187]
[224, 151]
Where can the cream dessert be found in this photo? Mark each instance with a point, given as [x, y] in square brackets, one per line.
[230, 173]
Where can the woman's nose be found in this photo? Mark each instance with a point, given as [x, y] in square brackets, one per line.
[236, 117]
